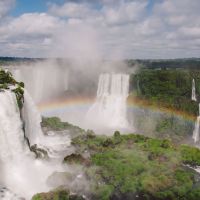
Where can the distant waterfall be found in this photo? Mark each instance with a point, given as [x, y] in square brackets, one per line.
[193, 91]
[110, 107]
[196, 131]
[12, 143]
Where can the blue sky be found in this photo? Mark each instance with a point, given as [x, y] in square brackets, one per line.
[24, 6]
[100, 28]
[28, 6]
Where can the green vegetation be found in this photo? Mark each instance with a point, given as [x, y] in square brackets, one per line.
[168, 93]
[173, 127]
[58, 194]
[55, 124]
[190, 155]
[8, 61]
[130, 166]
[184, 63]
[159, 124]
[6, 80]
[167, 88]
[19, 92]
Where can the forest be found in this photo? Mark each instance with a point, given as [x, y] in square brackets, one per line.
[169, 88]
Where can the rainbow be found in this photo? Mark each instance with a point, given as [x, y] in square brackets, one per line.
[64, 104]
[69, 103]
[143, 104]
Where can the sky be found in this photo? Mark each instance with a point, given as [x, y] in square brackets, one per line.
[98, 29]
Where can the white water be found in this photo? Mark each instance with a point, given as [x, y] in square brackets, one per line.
[21, 175]
[32, 119]
[12, 142]
[110, 109]
[193, 91]
[196, 131]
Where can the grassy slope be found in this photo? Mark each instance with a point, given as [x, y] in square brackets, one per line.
[55, 124]
[129, 166]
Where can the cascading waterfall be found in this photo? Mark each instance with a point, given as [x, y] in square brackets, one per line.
[20, 171]
[110, 107]
[196, 132]
[12, 143]
[13, 147]
[33, 131]
[193, 91]
[32, 119]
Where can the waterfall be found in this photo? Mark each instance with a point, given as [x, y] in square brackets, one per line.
[21, 175]
[196, 129]
[12, 142]
[110, 107]
[32, 119]
[193, 91]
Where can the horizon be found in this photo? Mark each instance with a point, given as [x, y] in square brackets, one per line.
[46, 58]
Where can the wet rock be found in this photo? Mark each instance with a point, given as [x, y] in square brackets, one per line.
[60, 178]
[76, 159]
[39, 152]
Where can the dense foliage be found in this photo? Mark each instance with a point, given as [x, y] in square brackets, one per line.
[134, 166]
[7, 80]
[167, 88]
[58, 194]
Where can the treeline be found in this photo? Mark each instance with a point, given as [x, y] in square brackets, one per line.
[14, 60]
[167, 88]
[187, 63]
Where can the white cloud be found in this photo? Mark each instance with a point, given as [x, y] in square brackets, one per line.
[5, 6]
[120, 11]
[181, 25]
[124, 13]
[125, 28]
[23, 35]
[71, 10]
[34, 23]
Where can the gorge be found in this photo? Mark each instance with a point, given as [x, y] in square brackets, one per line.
[59, 160]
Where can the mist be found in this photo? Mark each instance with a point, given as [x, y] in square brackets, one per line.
[72, 69]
